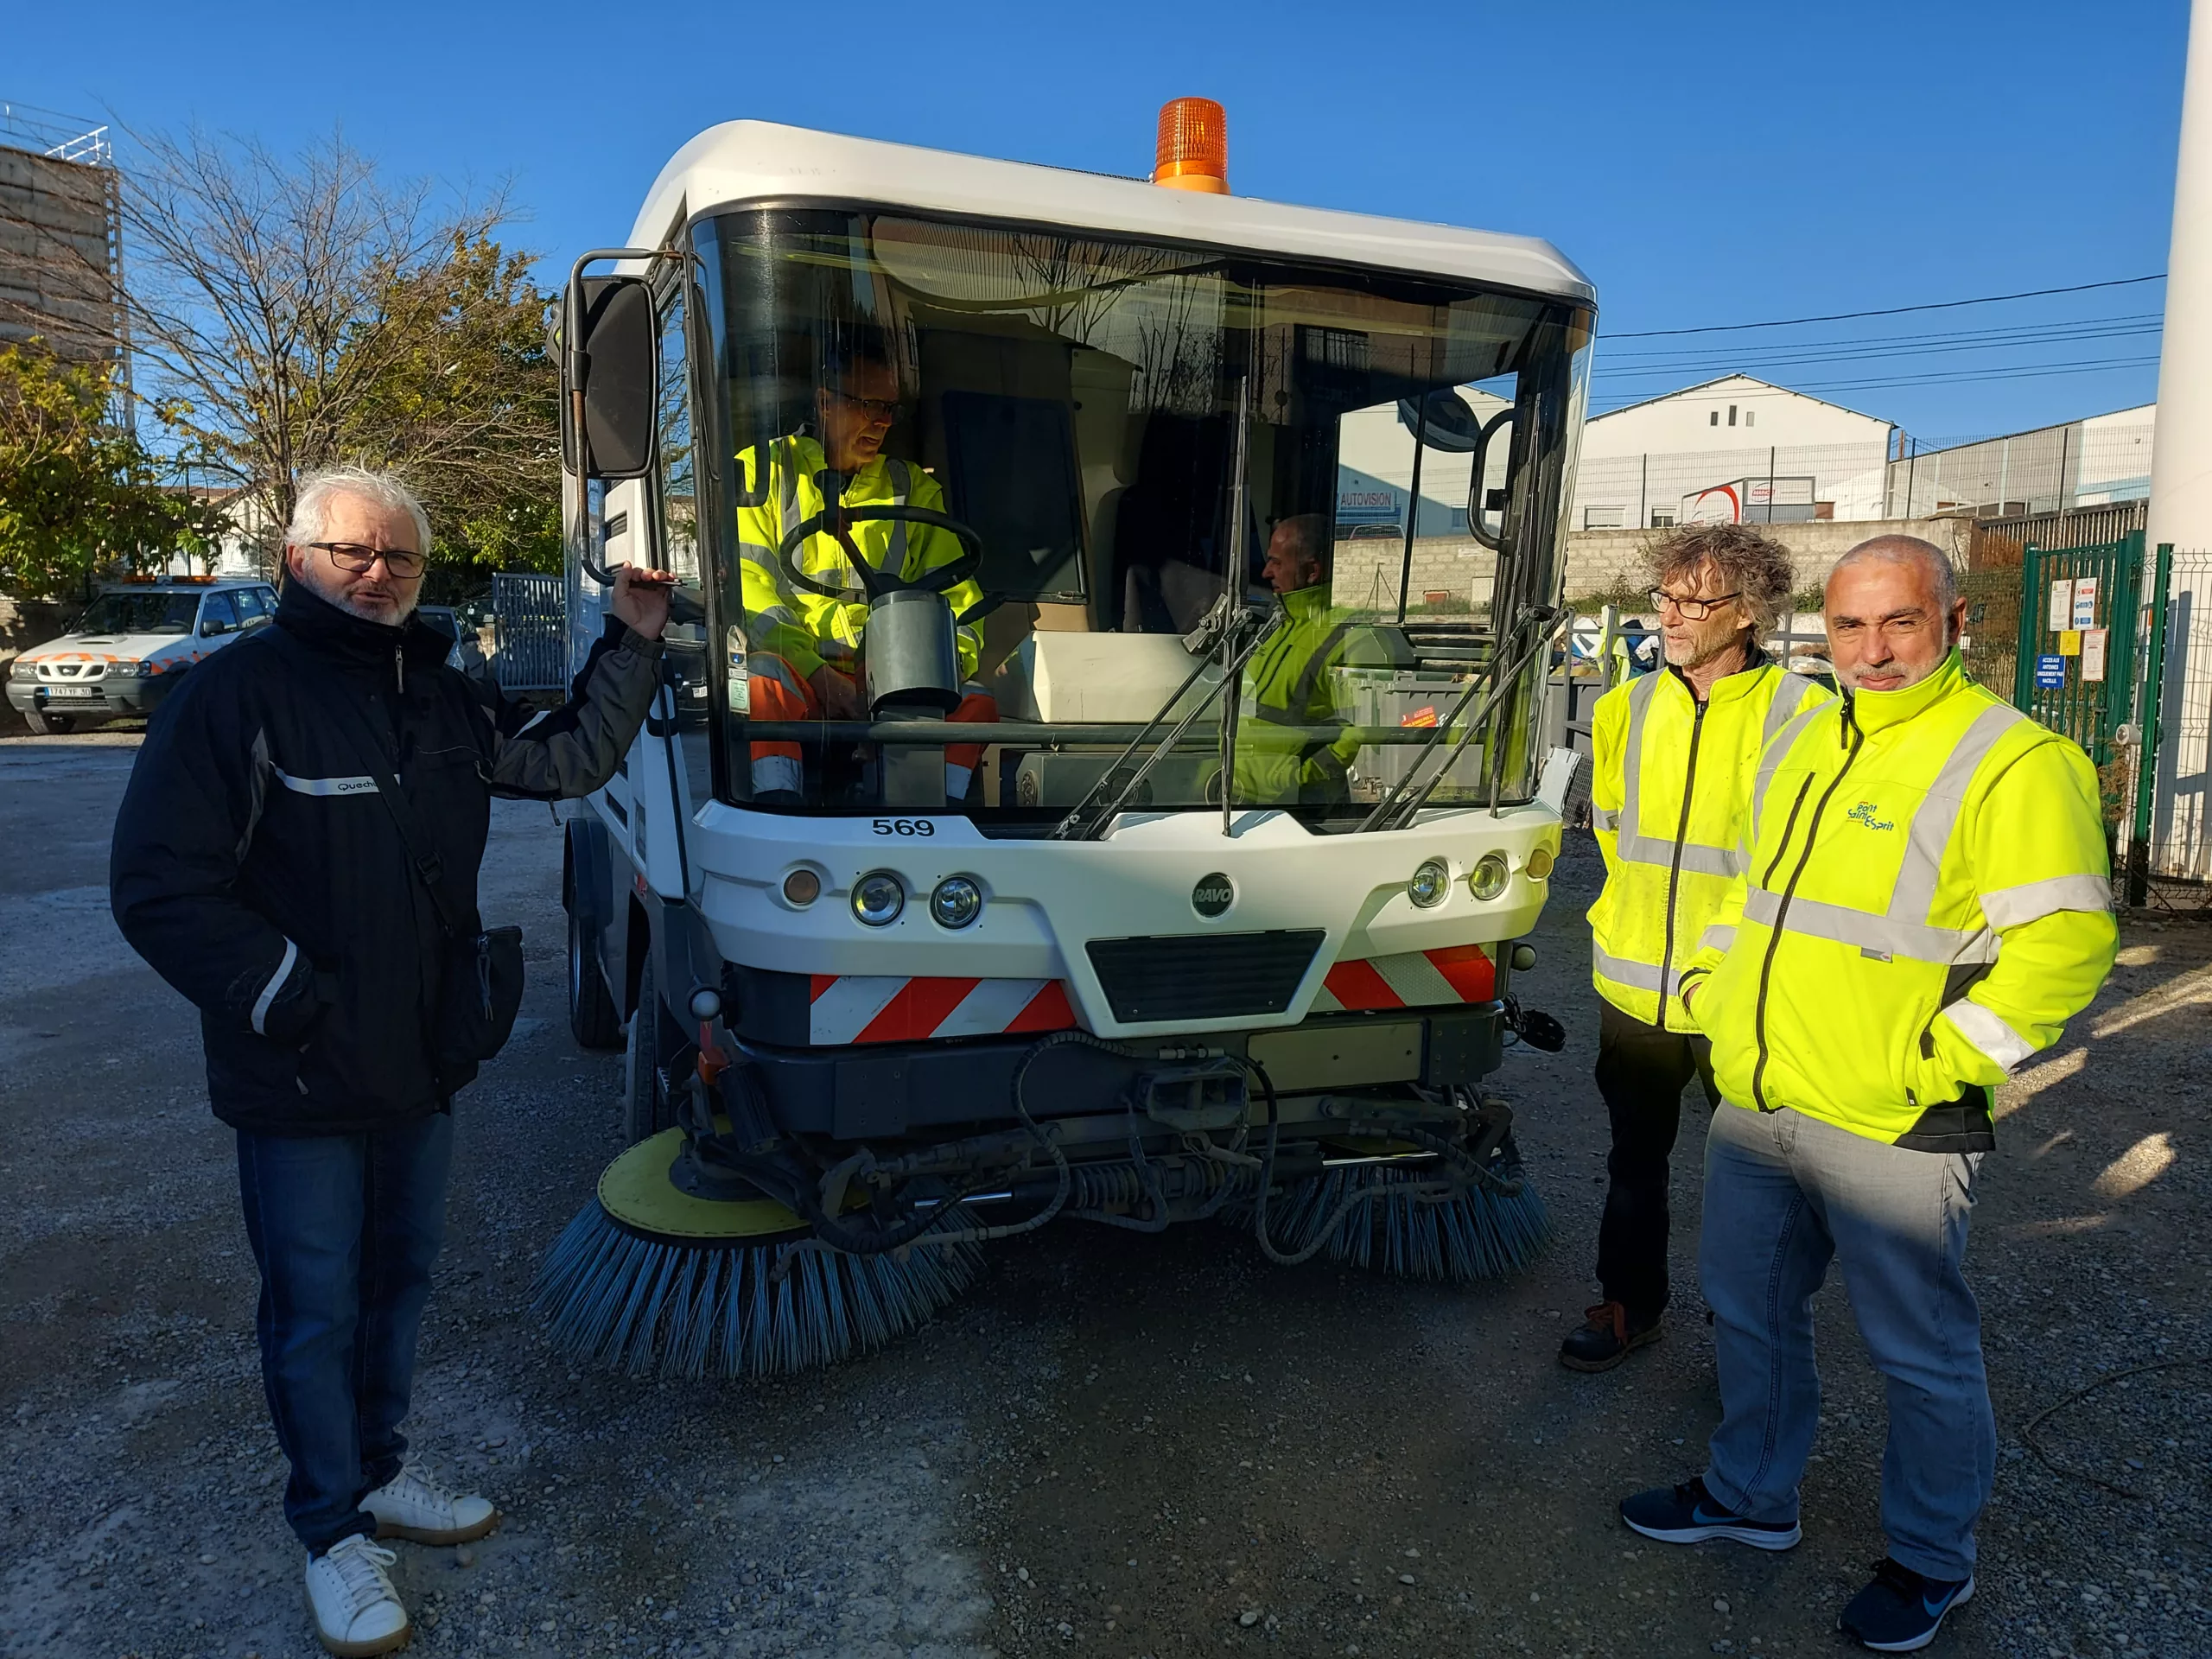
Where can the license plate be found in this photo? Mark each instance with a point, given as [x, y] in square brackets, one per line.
[73, 691]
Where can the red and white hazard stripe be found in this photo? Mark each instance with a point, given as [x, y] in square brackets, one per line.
[1413, 979]
[849, 1008]
[896, 1009]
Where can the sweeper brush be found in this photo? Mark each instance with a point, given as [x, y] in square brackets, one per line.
[1408, 1231]
[649, 1279]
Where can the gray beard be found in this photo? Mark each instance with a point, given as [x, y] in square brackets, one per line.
[314, 580]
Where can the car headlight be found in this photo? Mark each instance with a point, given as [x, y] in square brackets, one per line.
[130, 669]
[20, 669]
[1488, 878]
[956, 901]
[878, 898]
[1429, 884]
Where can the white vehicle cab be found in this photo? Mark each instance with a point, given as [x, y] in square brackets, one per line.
[129, 647]
[1110, 873]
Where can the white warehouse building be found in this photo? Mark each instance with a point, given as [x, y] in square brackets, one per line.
[1734, 447]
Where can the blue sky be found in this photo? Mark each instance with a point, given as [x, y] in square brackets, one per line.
[1704, 163]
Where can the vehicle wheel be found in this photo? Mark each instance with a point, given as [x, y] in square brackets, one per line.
[644, 1107]
[592, 1016]
[43, 723]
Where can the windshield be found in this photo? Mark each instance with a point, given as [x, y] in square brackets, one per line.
[149, 613]
[976, 502]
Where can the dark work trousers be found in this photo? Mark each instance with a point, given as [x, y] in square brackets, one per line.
[1642, 1071]
[345, 1228]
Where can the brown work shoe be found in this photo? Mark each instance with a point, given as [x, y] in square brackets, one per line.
[1606, 1338]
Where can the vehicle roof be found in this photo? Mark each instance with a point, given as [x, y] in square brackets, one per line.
[188, 585]
[742, 162]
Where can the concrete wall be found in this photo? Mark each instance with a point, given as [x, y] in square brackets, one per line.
[1600, 560]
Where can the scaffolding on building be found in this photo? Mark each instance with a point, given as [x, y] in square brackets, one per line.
[61, 239]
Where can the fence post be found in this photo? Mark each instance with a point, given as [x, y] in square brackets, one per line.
[2031, 601]
[2149, 695]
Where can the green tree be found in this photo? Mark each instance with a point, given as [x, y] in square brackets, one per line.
[300, 311]
[79, 494]
[467, 404]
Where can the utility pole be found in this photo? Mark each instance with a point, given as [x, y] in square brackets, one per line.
[2181, 467]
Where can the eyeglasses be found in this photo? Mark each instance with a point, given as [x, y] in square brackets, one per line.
[355, 559]
[1693, 610]
[878, 408]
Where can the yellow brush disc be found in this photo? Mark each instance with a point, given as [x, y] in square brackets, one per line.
[636, 1192]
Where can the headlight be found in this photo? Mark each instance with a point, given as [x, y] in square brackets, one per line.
[1539, 865]
[802, 888]
[878, 898]
[957, 902]
[130, 669]
[1429, 884]
[20, 669]
[1488, 878]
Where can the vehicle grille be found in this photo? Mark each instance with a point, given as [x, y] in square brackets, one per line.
[1203, 976]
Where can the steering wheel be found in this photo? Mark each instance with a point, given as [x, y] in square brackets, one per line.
[874, 583]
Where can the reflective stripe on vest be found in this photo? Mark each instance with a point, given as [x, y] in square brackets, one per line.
[1637, 847]
[1902, 928]
[1637, 975]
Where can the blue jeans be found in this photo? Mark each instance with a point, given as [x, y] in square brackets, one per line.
[345, 1228]
[1784, 1193]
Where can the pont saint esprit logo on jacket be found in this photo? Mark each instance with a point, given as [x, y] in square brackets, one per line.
[1866, 813]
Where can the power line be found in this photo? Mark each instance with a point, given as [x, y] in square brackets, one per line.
[1780, 362]
[1996, 336]
[1887, 311]
[1964, 378]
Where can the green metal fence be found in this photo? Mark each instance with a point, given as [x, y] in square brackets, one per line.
[2074, 668]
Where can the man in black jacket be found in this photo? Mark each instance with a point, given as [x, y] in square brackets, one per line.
[258, 869]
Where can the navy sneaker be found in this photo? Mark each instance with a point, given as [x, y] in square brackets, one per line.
[1901, 1611]
[1687, 1514]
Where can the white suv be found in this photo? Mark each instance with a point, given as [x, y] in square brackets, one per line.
[129, 647]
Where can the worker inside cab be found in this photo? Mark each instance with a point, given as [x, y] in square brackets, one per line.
[806, 652]
[1296, 741]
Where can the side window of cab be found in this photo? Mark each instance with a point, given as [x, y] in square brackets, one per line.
[257, 606]
[219, 616]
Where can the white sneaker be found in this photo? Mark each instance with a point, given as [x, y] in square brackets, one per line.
[415, 1507]
[356, 1610]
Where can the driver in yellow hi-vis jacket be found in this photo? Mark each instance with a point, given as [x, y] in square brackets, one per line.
[1925, 905]
[1295, 742]
[803, 650]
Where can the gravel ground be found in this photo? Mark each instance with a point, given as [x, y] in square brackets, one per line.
[1112, 1445]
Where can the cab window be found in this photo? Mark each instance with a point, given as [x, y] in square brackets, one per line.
[219, 614]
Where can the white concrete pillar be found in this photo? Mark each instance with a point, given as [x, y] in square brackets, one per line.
[2181, 475]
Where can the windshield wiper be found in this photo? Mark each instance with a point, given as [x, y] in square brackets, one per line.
[1394, 810]
[1238, 630]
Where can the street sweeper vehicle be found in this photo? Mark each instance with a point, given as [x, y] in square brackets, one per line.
[1053, 810]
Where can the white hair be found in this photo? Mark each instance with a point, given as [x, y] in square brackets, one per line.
[311, 505]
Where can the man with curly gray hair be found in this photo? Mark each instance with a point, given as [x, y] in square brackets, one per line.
[1673, 753]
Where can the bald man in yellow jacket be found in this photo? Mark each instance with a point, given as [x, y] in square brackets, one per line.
[1925, 903]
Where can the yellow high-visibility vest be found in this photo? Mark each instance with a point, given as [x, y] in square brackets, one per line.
[1927, 903]
[1670, 781]
[1290, 688]
[806, 629]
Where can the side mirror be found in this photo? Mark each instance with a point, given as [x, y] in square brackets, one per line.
[611, 362]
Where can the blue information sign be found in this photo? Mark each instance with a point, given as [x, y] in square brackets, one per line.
[2050, 670]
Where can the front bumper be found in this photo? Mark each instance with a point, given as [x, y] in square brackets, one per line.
[102, 699]
[928, 1089]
